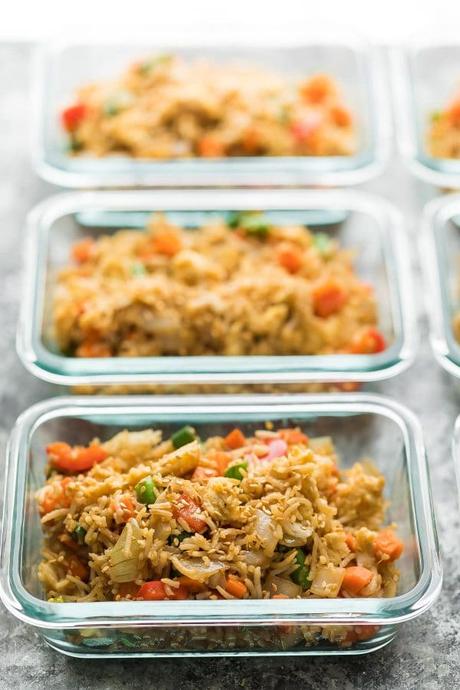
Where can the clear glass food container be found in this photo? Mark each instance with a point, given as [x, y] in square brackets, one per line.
[440, 248]
[425, 76]
[365, 223]
[63, 66]
[360, 425]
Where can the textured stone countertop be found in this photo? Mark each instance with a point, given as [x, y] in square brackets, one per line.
[426, 652]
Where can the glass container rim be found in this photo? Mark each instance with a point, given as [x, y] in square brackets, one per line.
[219, 369]
[43, 614]
[285, 171]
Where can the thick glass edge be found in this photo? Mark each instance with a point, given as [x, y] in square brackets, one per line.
[282, 172]
[436, 213]
[394, 610]
[49, 366]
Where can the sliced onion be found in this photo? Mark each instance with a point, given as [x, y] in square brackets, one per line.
[295, 534]
[125, 567]
[253, 557]
[266, 530]
[195, 569]
[327, 581]
[281, 585]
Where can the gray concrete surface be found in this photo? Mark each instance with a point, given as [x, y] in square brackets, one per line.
[425, 654]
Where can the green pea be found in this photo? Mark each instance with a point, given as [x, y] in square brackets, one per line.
[146, 491]
[234, 472]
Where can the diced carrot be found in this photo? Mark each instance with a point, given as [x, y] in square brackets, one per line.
[356, 578]
[189, 512]
[167, 243]
[350, 541]
[152, 591]
[328, 298]
[82, 251]
[292, 436]
[317, 89]
[280, 596]
[156, 590]
[454, 113]
[341, 116]
[235, 439]
[76, 459]
[235, 587]
[93, 348]
[77, 568]
[387, 546]
[178, 593]
[210, 147]
[368, 342]
[192, 586]
[290, 260]
[204, 473]
[72, 116]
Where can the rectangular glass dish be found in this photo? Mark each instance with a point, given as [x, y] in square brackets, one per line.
[361, 222]
[360, 425]
[441, 262]
[64, 66]
[424, 76]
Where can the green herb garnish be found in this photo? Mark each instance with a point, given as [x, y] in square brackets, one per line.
[183, 436]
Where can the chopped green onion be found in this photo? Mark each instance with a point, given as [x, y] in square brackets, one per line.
[253, 222]
[183, 436]
[322, 242]
[56, 600]
[146, 491]
[138, 269]
[79, 534]
[234, 472]
[149, 65]
[301, 575]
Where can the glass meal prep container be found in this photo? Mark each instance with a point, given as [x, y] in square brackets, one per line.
[64, 66]
[360, 425]
[425, 76]
[359, 221]
[440, 246]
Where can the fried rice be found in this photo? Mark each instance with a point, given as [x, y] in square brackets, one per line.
[236, 286]
[166, 108]
[264, 515]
